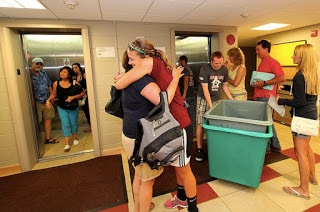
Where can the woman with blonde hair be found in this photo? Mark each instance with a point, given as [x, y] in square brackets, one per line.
[305, 89]
[237, 74]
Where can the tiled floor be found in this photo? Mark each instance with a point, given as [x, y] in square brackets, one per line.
[220, 195]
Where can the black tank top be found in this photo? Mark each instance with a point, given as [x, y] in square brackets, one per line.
[63, 94]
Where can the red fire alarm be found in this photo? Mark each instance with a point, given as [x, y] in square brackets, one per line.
[314, 33]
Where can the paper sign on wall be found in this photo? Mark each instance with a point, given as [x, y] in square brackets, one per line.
[105, 52]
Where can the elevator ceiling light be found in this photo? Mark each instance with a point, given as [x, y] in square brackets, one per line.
[29, 4]
[270, 26]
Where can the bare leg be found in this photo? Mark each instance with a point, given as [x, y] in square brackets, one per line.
[301, 147]
[311, 159]
[67, 140]
[142, 192]
[74, 136]
[146, 190]
[186, 178]
[47, 128]
[199, 136]
[136, 189]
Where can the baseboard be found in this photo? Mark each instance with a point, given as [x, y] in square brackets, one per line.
[10, 170]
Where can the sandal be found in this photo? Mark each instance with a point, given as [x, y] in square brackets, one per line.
[51, 141]
[152, 205]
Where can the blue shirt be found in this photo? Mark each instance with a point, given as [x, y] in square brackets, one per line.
[41, 86]
[135, 106]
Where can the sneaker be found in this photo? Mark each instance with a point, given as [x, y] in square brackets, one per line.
[175, 202]
[75, 142]
[67, 148]
[199, 156]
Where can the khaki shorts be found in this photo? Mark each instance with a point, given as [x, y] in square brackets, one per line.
[143, 170]
[43, 112]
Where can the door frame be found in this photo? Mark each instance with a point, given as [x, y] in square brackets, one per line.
[27, 156]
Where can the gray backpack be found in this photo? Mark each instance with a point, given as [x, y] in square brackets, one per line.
[161, 137]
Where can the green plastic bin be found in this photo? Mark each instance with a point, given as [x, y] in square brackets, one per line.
[242, 115]
[236, 155]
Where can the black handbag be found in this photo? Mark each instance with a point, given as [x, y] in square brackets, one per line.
[114, 105]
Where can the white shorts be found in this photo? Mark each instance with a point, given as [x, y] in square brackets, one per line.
[182, 159]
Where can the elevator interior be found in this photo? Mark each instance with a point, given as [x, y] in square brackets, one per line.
[57, 50]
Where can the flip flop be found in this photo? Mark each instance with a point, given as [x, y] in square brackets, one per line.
[152, 205]
[51, 141]
[291, 191]
[313, 182]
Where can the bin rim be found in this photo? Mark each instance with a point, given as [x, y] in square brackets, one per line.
[269, 133]
[267, 122]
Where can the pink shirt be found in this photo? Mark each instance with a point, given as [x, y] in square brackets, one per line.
[268, 65]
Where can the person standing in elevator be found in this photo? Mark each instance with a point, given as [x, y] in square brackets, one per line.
[68, 92]
[42, 89]
[80, 76]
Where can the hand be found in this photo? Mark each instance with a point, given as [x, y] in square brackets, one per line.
[277, 98]
[48, 104]
[280, 88]
[117, 76]
[258, 84]
[69, 99]
[177, 72]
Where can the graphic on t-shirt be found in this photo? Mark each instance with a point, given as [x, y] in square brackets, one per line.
[215, 84]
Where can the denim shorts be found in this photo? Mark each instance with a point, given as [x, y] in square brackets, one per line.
[300, 135]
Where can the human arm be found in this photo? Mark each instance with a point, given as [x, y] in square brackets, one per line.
[152, 88]
[226, 90]
[272, 81]
[206, 94]
[241, 73]
[151, 92]
[298, 90]
[185, 86]
[53, 94]
[137, 72]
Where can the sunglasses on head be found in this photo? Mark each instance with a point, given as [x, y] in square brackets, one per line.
[39, 64]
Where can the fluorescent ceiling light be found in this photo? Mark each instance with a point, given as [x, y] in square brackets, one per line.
[270, 26]
[29, 4]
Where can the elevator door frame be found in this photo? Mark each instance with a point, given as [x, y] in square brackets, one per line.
[28, 158]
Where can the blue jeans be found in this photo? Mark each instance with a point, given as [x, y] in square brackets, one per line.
[273, 142]
[69, 120]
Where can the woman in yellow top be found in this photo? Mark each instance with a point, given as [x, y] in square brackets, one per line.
[237, 74]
